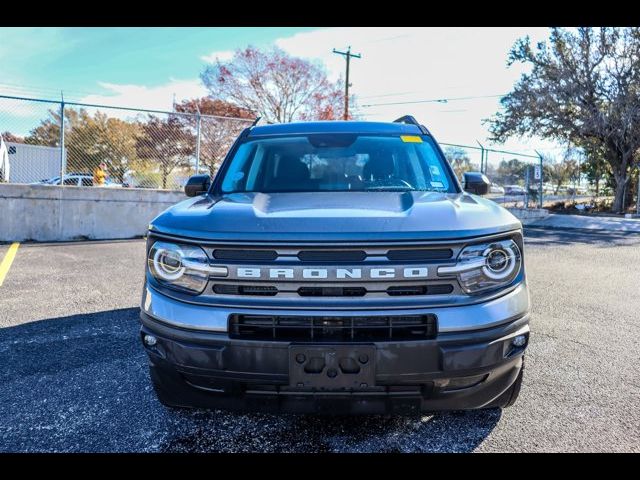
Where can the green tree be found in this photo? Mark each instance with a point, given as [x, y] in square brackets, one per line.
[102, 139]
[459, 160]
[583, 87]
[90, 140]
[47, 133]
[511, 172]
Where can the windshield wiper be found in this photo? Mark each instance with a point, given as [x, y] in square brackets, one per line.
[387, 188]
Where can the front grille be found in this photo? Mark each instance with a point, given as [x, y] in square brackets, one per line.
[331, 291]
[338, 329]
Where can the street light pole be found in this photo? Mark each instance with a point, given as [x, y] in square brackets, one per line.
[347, 56]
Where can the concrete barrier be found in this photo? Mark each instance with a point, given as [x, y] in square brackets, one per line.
[47, 213]
[529, 215]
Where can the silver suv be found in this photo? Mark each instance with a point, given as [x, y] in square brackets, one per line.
[336, 267]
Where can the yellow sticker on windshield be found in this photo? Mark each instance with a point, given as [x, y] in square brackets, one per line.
[411, 138]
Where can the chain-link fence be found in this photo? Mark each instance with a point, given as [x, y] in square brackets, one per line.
[516, 178]
[110, 146]
[125, 147]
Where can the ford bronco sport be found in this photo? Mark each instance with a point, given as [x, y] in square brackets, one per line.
[336, 267]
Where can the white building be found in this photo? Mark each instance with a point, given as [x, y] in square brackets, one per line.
[32, 163]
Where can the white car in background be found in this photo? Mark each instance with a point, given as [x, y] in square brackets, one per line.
[77, 180]
[493, 188]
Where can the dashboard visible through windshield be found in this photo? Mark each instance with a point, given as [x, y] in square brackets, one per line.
[337, 163]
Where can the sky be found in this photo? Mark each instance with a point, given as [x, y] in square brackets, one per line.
[146, 67]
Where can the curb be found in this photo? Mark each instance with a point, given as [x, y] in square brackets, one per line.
[598, 231]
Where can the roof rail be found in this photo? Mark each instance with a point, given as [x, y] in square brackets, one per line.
[408, 119]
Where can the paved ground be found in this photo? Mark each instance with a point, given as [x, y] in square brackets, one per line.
[74, 378]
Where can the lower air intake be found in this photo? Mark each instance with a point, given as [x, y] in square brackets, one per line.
[334, 329]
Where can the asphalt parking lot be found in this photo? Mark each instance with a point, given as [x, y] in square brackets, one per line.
[74, 377]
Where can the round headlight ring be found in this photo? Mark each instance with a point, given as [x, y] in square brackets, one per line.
[164, 263]
[503, 256]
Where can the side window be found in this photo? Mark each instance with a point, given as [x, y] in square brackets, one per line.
[73, 182]
[87, 182]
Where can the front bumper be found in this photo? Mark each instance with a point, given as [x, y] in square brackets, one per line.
[463, 368]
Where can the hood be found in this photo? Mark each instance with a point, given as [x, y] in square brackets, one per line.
[335, 216]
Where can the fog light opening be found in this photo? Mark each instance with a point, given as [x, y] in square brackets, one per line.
[150, 340]
[519, 341]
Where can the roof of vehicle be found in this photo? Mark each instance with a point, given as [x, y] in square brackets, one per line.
[336, 126]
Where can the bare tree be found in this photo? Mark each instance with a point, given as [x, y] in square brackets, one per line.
[583, 88]
[279, 87]
[219, 127]
[562, 171]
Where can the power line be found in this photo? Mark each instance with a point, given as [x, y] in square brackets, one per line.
[397, 94]
[434, 100]
[39, 89]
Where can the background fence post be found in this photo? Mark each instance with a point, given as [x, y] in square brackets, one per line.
[540, 203]
[63, 166]
[199, 119]
[482, 169]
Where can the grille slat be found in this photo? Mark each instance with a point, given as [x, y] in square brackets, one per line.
[342, 329]
[420, 254]
[332, 256]
[332, 291]
[242, 255]
[260, 290]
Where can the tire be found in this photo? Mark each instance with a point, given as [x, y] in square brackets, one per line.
[509, 397]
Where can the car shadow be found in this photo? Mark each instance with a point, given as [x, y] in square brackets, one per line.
[81, 383]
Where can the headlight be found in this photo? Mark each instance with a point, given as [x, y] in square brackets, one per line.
[181, 267]
[486, 265]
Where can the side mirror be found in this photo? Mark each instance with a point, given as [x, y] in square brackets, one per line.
[476, 182]
[197, 184]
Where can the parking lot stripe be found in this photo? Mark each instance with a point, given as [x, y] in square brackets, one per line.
[7, 261]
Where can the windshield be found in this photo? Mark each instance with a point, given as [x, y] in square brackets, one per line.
[337, 162]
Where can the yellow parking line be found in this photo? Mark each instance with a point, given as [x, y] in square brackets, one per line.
[7, 261]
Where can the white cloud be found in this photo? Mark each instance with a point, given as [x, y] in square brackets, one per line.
[222, 55]
[407, 64]
[159, 97]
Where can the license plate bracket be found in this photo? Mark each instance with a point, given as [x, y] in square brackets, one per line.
[332, 367]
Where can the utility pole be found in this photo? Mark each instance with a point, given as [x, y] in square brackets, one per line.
[347, 56]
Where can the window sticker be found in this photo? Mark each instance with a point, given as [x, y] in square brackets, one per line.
[437, 184]
[411, 138]
[435, 171]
